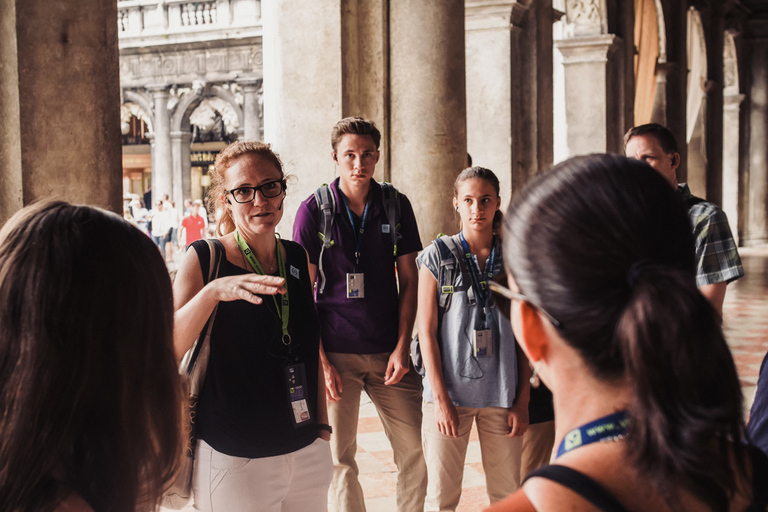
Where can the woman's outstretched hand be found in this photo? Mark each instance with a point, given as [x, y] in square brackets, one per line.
[246, 287]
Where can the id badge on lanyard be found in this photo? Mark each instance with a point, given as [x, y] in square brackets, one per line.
[296, 383]
[356, 285]
[482, 342]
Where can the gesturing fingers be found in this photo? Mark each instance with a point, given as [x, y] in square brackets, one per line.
[249, 287]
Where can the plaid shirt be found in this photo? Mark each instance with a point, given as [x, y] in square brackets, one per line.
[717, 258]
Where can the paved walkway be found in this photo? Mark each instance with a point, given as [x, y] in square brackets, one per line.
[745, 315]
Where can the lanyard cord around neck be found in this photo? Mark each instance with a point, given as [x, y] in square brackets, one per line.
[607, 428]
[282, 308]
[478, 283]
[358, 233]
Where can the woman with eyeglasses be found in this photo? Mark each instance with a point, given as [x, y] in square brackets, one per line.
[600, 265]
[261, 424]
[474, 373]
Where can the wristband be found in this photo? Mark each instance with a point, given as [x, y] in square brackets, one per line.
[323, 426]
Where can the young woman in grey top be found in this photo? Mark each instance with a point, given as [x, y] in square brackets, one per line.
[474, 369]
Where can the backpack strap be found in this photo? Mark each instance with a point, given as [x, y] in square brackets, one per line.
[581, 484]
[326, 205]
[458, 255]
[196, 358]
[391, 199]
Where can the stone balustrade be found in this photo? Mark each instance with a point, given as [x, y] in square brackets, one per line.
[142, 22]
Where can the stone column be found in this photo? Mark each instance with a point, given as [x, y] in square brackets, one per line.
[59, 102]
[731, 141]
[302, 102]
[714, 29]
[756, 232]
[509, 74]
[591, 94]
[251, 87]
[162, 159]
[428, 134]
[181, 144]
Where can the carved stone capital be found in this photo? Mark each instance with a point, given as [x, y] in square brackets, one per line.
[158, 90]
[249, 84]
[585, 17]
[494, 14]
[588, 49]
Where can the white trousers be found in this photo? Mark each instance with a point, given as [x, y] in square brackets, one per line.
[295, 482]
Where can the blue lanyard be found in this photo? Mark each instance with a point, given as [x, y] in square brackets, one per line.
[357, 233]
[480, 286]
[607, 428]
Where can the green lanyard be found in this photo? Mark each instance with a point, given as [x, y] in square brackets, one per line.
[283, 311]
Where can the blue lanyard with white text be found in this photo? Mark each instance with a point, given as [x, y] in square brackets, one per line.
[607, 428]
[480, 286]
[358, 233]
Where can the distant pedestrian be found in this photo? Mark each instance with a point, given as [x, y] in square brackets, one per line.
[193, 226]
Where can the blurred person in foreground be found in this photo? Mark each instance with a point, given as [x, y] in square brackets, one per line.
[263, 438]
[604, 302]
[90, 400]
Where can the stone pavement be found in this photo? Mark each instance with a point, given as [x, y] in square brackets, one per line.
[745, 315]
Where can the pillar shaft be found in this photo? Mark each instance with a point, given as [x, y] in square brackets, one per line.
[428, 108]
[252, 122]
[592, 89]
[59, 98]
[302, 102]
[181, 144]
[731, 140]
[162, 158]
[757, 216]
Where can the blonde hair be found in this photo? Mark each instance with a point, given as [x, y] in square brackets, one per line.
[224, 161]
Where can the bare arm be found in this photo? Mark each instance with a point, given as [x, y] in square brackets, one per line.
[194, 302]
[518, 419]
[445, 412]
[715, 294]
[408, 277]
[332, 383]
[322, 406]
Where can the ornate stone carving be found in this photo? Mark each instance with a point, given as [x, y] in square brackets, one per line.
[583, 11]
[183, 67]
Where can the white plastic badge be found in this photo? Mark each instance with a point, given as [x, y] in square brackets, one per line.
[295, 380]
[355, 286]
[483, 342]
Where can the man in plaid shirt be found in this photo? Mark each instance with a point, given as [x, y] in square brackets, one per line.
[717, 258]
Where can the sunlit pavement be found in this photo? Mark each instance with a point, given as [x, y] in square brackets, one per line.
[745, 323]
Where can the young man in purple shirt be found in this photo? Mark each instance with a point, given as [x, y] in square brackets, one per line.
[366, 323]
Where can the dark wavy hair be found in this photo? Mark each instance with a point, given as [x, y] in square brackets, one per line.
[604, 245]
[90, 399]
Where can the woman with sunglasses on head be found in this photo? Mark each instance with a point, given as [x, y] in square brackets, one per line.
[474, 372]
[261, 424]
[600, 264]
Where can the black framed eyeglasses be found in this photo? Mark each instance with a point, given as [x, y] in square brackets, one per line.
[269, 190]
[500, 289]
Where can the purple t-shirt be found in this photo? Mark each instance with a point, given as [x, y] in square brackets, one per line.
[368, 325]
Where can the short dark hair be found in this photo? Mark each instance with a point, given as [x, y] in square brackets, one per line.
[90, 398]
[661, 133]
[614, 263]
[355, 126]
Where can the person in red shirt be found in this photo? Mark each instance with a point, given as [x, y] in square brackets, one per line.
[194, 225]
